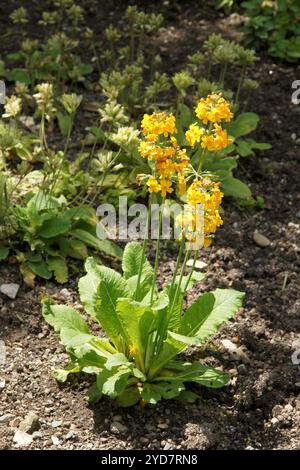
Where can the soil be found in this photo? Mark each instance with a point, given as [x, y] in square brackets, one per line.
[260, 408]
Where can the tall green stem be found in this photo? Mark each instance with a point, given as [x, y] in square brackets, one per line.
[157, 251]
[143, 250]
[177, 264]
[187, 255]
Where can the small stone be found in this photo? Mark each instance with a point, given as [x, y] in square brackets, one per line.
[274, 421]
[10, 290]
[297, 384]
[71, 435]
[118, 428]
[163, 426]
[277, 410]
[2, 383]
[261, 240]
[229, 345]
[6, 418]
[30, 423]
[294, 136]
[117, 418]
[37, 435]
[288, 408]
[168, 446]
[55, 440]
[242, 369]
[198, 265]
[242, 355]
[2, 352]
[22, 439]
[56, 424]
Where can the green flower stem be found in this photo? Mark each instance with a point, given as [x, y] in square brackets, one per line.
[187, 255]
[157, 252]
[177, 264]
[201, 161]
[241, 81]
[191, 272]
[144, 249]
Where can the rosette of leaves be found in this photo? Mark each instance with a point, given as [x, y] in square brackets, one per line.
[141, 357]
[49, 234]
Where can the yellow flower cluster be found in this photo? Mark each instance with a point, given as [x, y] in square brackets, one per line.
[216, 140]
[160, 145]
[157, 124]
[193, 134]
[208, 194]
[213, 109]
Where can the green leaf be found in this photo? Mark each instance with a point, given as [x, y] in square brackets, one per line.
[105, 246]
[137, 321]
[62, 375]
[40, 269]
[113, 382]
[116, 360]
[185, 115]
[4, 252]
[110, 288]
[129, 397]
[93, 394]
[209, 312]
[198, 373]
[243, 124]
[64, 123]
[57, 225]
[59, 266]
[131, 264]
[88, 286]
[19, 75]
[68, 323]
[232, 186]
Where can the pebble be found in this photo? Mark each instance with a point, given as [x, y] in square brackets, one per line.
[55, 440]
[261, 240]
[30, 423]
[6, 418]
[22, 439]
[10, 290]
[168, 446]
[70, 435]
[274, 420]
[37, 435]
[56, 424]
[2, 352]
[229, 345]
[163, 426]
[198, 265]
[117, 428]
[2, 383]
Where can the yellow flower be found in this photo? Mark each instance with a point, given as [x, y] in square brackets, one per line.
[181, 183]
[153, 185]
[193, 134]
[158, 124]
[213, 109]
[207, 193]
[217, 140]
[166, 187]
[132, 350]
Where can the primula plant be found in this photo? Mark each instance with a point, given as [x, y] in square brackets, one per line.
[148, 329]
